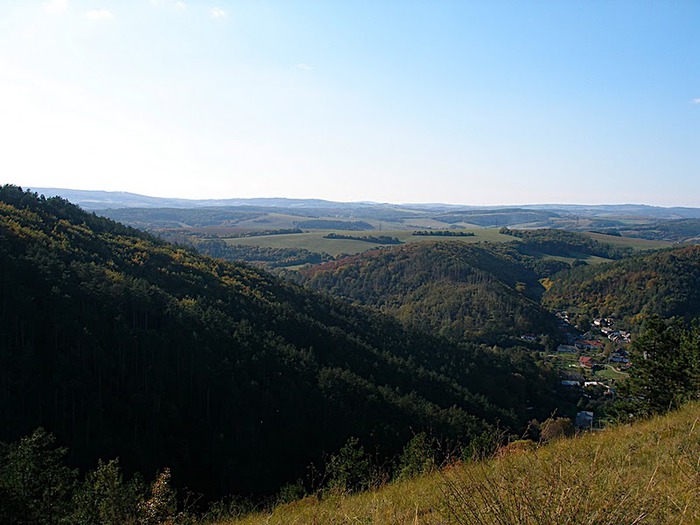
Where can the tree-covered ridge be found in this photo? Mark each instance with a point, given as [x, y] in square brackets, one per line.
[264, 256]
[497, 217]
[673, 230]
[457, 289]
[123, 345]
[376, 239]
[148, 218]
[679, 230]
[664, 283]
[331, 224]
[442, 233]
[564, 243]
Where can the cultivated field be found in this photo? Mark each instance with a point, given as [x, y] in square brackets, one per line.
[637, 244]
[314, 240]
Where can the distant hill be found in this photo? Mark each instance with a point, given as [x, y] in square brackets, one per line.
[664, 283]
[455, 289]
[680, 230]
[124, 345]
[100, 200]
[97, 200]
[621, 210]
[562, 243]
[222, 217]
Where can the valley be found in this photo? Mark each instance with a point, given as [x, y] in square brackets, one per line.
[362, 263]
[265, 365]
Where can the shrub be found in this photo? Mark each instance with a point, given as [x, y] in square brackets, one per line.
[483, 446]
[161, 507]
[350, 470]
[105, 499]
[418, 456]
[34, 484]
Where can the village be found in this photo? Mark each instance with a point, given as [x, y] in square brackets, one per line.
[591, 365]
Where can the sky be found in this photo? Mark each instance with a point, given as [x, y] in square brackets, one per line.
[464, 102]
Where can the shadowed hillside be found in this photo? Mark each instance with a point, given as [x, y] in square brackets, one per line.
[123, 345]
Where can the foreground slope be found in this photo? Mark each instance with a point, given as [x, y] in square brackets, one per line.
[647, 472]
[123, 345]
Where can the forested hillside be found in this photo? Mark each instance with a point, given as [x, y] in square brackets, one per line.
[676, 230]
[564, 243]
[663, 283]
[123, 345]
[259, 255]
[459, 290]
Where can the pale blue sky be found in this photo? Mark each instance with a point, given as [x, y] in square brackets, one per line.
[396, 101]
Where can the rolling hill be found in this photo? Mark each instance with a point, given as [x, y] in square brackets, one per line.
[463, 291]
[664, 283]
[124, 345]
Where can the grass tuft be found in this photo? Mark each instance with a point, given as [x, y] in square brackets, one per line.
[647, 472]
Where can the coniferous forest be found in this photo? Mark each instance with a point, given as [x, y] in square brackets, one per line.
[125, 346]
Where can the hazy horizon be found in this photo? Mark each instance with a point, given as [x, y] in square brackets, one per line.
[480, 104]
[41, 190]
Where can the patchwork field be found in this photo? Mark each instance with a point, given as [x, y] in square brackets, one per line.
[634, 243]
[314, 241]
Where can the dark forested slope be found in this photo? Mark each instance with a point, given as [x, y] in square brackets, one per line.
[664, 283]
[457, 289]
[123, 345]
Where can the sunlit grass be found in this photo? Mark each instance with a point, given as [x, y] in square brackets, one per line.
[631, 242]
[648, 472]
[315, 242]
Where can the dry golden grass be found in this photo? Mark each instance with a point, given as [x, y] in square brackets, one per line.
[648, 472]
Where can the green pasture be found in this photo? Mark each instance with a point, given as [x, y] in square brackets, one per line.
[590, 259]
[610, 373]
[279, 221]
[637, 244]
[314, 240]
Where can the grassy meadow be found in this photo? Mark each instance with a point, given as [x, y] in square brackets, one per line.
[314, 240]
[647, 472]
[631, 242]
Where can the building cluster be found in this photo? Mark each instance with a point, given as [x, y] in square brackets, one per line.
[605, 324]
[584, 356]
